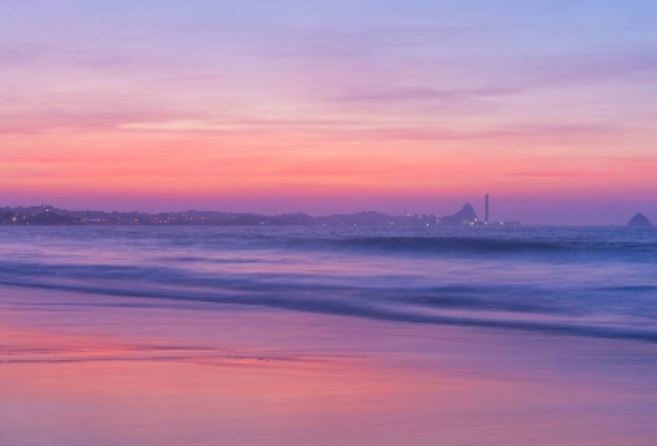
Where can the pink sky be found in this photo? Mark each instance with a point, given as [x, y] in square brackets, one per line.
[330, 107]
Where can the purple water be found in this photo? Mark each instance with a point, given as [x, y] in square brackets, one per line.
[597, 282]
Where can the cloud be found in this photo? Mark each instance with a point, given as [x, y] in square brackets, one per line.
[525, 75]
[12, 56]
[554, 174]
[365, 131]
[396, 94]
[239, 123]
[40, 120]
[520, 132]
[357, 42]
[590, 67]
[33, 55]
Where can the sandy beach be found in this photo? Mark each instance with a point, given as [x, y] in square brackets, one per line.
[79, 370]
[328, 223]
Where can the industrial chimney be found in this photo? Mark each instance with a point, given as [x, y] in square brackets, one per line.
[486, 207]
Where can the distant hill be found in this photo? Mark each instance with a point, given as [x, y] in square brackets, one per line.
[639, 221]
[466, 215]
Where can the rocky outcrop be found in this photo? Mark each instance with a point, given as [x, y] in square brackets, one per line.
[639, 221]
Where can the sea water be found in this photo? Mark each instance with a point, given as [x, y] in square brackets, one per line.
[592, 282]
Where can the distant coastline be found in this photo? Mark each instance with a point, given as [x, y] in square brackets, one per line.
[49, 215]
[52, 216]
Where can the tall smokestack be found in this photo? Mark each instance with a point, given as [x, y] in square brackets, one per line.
[487, 207]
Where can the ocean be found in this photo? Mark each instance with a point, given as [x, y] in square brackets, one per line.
[597, 282]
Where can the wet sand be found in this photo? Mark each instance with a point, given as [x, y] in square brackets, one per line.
[88, 370]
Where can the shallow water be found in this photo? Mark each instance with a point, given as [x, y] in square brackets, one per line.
[76, 371]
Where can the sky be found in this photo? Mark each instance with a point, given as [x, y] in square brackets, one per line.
[412, 106]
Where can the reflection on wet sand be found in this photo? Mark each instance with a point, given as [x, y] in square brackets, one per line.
[160, 374]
